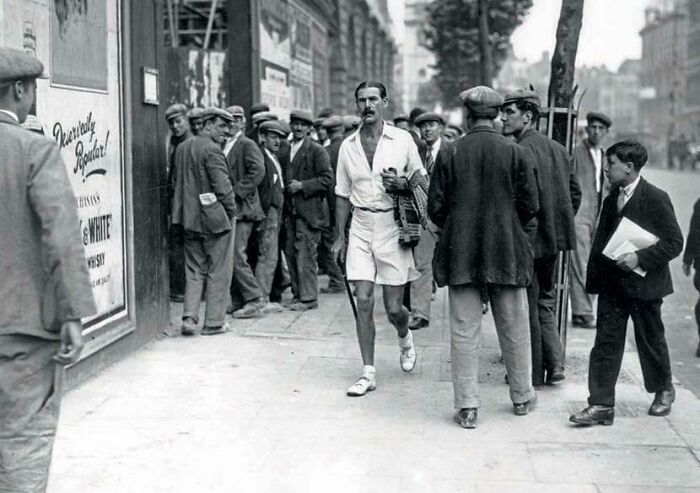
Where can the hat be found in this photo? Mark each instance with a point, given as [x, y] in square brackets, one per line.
[333, 122]
[456, 128]
[415, 113]
[481, 99]
[430, 116]
[272, 126]
[325, 113]
[210, 113]
[529, 95]
[301, 116]
[195, 113]
[263, 116]
[17, 65]
[401, 117]
[351, 121]
[236, 110]
[174, 110]
[258, 108]
[32, 123]
[601, 117]
[318, 122]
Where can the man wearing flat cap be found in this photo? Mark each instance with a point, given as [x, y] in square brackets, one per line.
[256, 109]
[552, 231]
[431, 126]
[321, 134]
[401, 121]
[482, 196]
[45, 290]
[195, 118]
[246, 170]
[589, 159]
[308, 178]
[204, 205]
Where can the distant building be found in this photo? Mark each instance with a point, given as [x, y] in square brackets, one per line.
[691, 112]
[618, 97]
[417, 59]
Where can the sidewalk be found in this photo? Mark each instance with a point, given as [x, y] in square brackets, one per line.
[263, 409]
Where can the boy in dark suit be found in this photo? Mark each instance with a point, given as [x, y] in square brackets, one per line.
[691, 258]
[624, 294]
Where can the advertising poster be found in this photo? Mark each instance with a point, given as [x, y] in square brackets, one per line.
[275, 55]
[301, 75]
[319, 42]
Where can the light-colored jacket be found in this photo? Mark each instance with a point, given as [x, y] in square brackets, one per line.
[43, 273]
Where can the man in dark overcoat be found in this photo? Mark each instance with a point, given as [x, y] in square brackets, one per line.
[691, 260]
[482, 197]
[308, 177]
[630, 283]
[45, 288]
[553, 230]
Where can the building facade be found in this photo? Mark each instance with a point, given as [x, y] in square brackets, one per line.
[418, 61]
[691, 111]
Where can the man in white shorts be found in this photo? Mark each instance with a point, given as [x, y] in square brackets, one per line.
[374, 163]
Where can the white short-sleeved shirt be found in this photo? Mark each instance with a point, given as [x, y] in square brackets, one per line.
[362, 184]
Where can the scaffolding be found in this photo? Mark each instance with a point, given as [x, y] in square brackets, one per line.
[195, 23]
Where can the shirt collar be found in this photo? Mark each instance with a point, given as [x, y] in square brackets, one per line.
[11, 114]
[629, 189]
[387, 131]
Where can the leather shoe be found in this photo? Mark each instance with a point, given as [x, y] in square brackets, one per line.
[662, 402]
[418, 323]
[555, 376]
[466, 417]
[523, 408]
[594, 415]
[583, 322]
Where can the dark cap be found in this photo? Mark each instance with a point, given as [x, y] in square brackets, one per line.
[301, 116]
[195, 113]
[415, 113]
[429, 116]
[325, 113]
[177, 109]
[529, 95]
[210, 113]
[351, 121]
[273, 126]
[401, 117]
[259, 108]
[601, 117]
[17, 65]
[236, 110]
[333, 122]
[318, 122]
[481, 99]
[263, 116]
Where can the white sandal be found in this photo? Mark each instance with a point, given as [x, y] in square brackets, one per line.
[362, 386]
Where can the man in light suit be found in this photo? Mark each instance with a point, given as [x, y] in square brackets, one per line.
[589, 158]
[45, 289]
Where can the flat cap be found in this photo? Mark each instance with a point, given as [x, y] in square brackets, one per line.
[174, 110]
[318, 122]
[263, 116]
[16, 65]
[333, 121]
[236, 110]
[601, 117]
[259, 108]
[351, 121]
[481, 99]
[195, 113]
[456, 128]
[325, 113]
[429, 116]
[529, 95]
[272, 126]
[212, 112]
[301, 116]
[401, 117]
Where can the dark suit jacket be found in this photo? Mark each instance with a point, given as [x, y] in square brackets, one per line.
[481, 196]
[311, 166]
[692, 245]
[270, 191]
[246, 169]
[420, 144]
[558, 192]
[650, 208]
[333, 151]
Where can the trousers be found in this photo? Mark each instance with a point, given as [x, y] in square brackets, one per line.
[422, 288]
[268, 250]
[326, 261]
[301, 250]
[30, 397]
[510, 312]
[245, 284]
[176, 260]
[208, 258]
[581, 301]
[609, 346]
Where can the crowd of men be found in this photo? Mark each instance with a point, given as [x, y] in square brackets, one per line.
[258, 205]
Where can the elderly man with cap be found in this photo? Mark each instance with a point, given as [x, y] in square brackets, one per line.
[308, 178]
[246, 170]
[589, 159]
[204, 205]
[194, 116]
[179, 126]
[335, 130]
[374, 165]
[401, 121]
[45, 289]
[431, 126]
[552, 231]
[482, 196]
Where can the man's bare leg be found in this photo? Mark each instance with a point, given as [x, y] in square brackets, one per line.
[365, 321]
[397, 313]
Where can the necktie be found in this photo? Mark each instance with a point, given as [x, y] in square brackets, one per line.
[621, 199]
[429, 160]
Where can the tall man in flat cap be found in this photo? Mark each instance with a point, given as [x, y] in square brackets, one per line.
[308, 178]
[482, 197]
[589, 159]
[553, 230]
[204, 204]
[246, 169]
[374, 164]
[45, 289]
[431, 126]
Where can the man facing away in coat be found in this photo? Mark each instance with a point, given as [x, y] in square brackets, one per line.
[204, 204]
[589, 161]
[482, 197]
[308, 178]
[553, 230]
[45, 288]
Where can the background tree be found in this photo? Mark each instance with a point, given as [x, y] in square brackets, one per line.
[453, 35]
